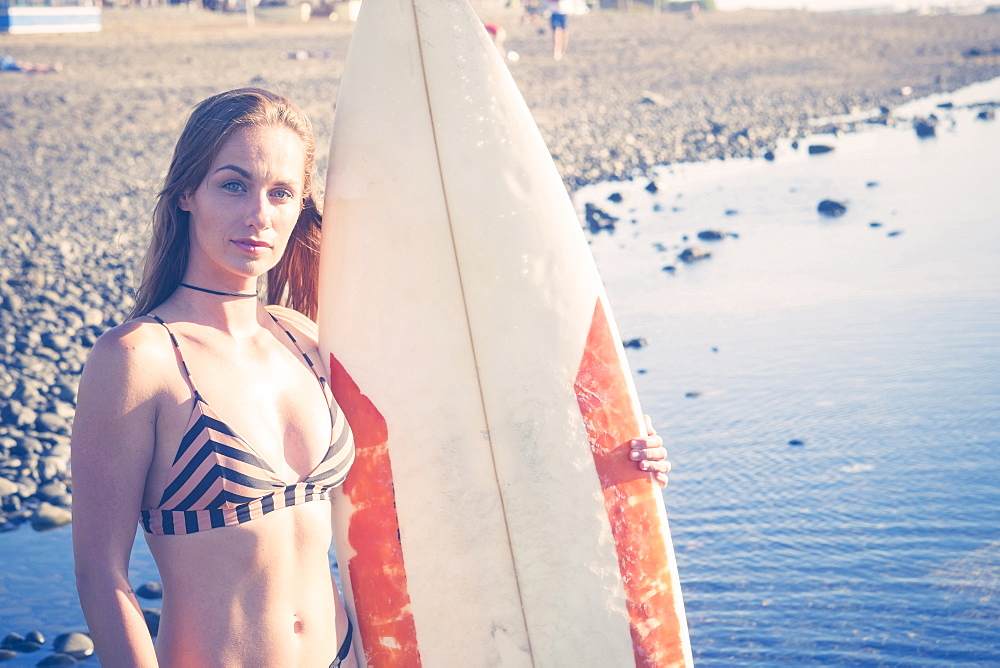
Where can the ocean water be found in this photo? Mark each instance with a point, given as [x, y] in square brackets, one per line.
[877, 540]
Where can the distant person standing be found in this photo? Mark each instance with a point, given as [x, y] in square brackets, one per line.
[558, 11]
[499, 36]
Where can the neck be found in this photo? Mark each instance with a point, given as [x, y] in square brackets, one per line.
[230, 308]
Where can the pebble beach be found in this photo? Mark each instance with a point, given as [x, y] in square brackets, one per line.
[83, 149]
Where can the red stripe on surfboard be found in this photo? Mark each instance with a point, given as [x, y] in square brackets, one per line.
[378, 577]
[606, 405]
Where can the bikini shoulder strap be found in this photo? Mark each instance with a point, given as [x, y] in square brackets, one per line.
[180, 357]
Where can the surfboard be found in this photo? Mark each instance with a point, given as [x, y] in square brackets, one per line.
[492, 517]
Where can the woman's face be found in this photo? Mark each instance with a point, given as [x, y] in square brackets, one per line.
[243, 212]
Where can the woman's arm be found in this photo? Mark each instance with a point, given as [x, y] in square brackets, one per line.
[112, 447]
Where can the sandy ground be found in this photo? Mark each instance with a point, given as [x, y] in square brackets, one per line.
[82, 151]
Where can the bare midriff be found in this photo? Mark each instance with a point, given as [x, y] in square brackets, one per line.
[255, 594]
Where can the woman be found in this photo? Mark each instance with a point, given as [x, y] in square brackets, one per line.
[205, 418]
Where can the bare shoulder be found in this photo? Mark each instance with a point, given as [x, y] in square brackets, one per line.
[300, 326]
[127, 358]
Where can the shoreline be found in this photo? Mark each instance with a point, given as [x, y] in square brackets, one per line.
[84, 149]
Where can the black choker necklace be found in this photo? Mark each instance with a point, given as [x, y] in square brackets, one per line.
[216, 292]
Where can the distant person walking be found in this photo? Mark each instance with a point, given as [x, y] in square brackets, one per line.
[558, 11]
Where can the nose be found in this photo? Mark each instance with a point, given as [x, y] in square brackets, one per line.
[259, 214]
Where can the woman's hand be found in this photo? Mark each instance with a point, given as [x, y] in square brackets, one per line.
[650, 454]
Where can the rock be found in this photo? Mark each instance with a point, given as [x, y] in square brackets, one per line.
[925, 127]
[152, 617]
[649, 97]
[57, 659]
[651, 187]
[24, 416]
[49, 517]
[150, 590]
[26, 487]
[615, 197]
[670, 269]
[796, 442]
[29, 445]
[78, 645]
[693, 254]
[51, 423]
[636, 343]
[731, 212]
[874, 223]
[831, 208]
[711, 235]
[57, 342]
[692, 395]
[986, 115]
[7, 487]
[93, 317]
[35, 637]
[7, 654]
[51, 490]
[819, 149]
[598, 219]
[894, 233]
[769, 155]
[18, 643]
[871, 184]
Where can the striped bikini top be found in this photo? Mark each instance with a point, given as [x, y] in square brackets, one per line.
[217, 480]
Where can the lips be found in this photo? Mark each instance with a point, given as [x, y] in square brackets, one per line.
[249, 245]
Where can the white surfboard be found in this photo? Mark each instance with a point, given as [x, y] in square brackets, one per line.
[492, 517]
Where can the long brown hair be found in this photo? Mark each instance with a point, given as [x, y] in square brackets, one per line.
[294, 280]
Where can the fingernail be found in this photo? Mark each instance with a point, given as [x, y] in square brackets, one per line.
[634, 454]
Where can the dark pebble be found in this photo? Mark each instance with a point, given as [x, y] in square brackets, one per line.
[57, 659]
[598, 219]
[615, 197]
[925, 127]
[652, 187]
[986, 115]
[76, 644]
[636, 343]
[693, 254]
[152, 618]
[670, 269]
[796, 441]
[819, 149]
[871, 184]
[769, 156]
[692, 395]
[894, 233]
[7, 654]
[150, 590]
[874, 223]
[831, 209]
[711, 235]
